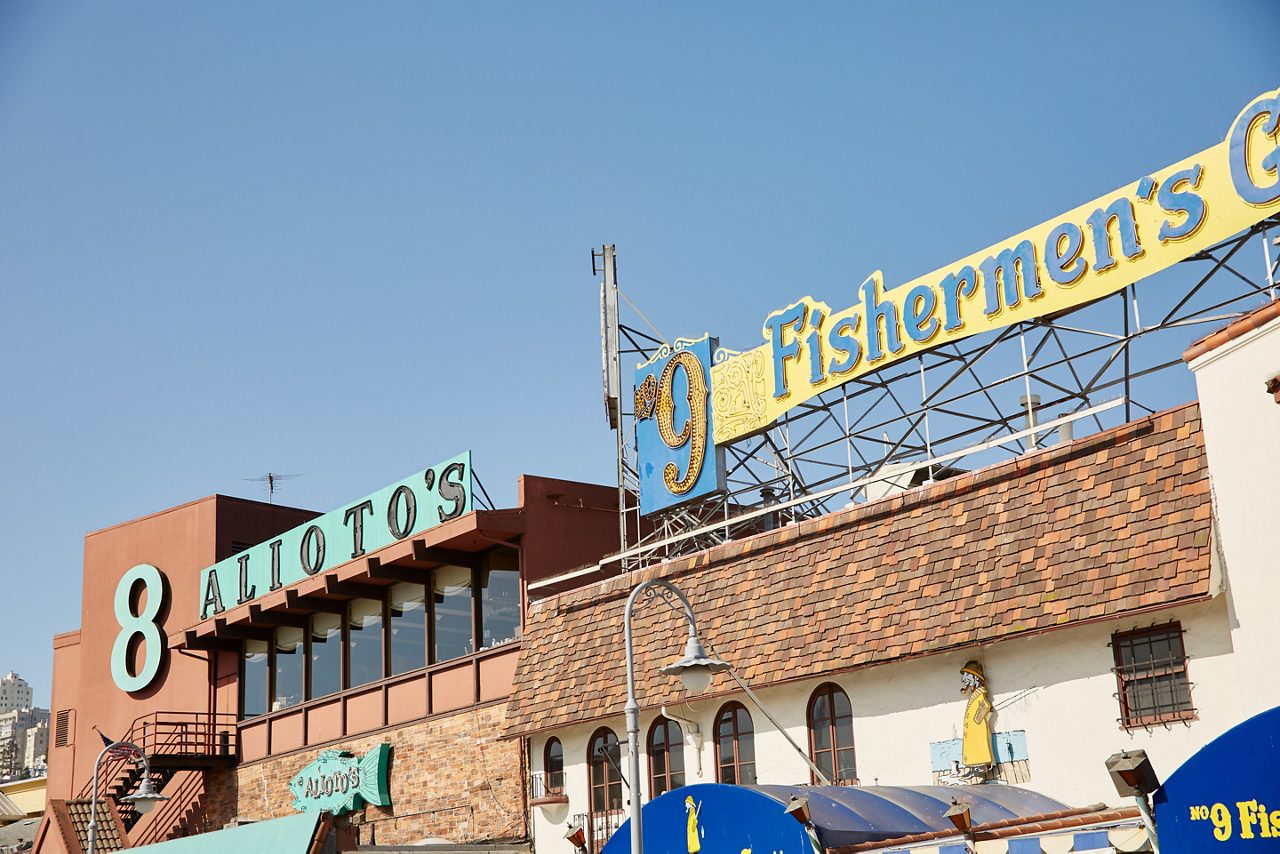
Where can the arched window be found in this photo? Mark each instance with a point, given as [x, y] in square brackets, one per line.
[604, 779]
[666, 756]
[553, 768]
[735, 746]
[831, 734]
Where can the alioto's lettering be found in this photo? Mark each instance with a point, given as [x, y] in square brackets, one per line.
[399, 511]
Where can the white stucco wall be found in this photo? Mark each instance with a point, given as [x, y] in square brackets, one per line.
[1056, 686]
[1241, 423]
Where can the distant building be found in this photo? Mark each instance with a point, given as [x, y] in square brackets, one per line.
[14, 726]
[14, 723]
[36, 747]
[15, 693]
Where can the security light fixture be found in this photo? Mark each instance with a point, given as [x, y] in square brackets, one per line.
[798, 808]
[959, 816]
[1133, 777]
[1132, 774]
[577, 836]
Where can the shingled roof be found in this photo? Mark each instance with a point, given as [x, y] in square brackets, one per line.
[1111, 524]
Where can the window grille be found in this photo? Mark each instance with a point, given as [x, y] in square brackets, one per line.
[1151, 676]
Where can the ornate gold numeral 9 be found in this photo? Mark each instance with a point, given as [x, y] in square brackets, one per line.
[694, 429]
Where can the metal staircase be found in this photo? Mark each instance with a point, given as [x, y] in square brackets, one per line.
[179, 746]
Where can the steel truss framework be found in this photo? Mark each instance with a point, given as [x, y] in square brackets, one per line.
[966, 401]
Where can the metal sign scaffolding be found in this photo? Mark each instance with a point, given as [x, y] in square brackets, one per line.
[953, 408]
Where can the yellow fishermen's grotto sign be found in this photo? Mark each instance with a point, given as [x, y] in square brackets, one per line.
[684, 401]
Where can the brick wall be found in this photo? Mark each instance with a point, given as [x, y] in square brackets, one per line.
[451, 778]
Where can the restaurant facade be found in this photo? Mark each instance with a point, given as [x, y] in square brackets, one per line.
[409, 643]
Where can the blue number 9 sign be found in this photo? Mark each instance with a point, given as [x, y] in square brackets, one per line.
[677, 460]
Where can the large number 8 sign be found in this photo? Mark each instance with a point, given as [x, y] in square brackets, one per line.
[143, 624]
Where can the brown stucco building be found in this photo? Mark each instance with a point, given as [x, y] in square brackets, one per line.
[412, 644]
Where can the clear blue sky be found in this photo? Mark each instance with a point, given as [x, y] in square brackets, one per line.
[349, 240]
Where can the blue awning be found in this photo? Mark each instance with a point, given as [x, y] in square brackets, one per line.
[1224, 798]
[711, 818]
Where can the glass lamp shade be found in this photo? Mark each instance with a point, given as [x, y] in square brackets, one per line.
[145, 799]
[696, 668]
[696, 679]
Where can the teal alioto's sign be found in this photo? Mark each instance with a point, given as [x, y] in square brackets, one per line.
[1225, 798]
[337, 782]
[404, 508]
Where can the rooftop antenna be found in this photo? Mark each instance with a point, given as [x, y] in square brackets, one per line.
[272, 480]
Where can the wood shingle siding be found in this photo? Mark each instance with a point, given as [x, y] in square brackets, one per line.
[1111, 524]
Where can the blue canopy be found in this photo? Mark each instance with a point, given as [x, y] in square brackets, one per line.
[711, 818]
[1225, 798]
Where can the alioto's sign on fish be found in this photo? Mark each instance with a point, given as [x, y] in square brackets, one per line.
[691, 399]
[338, 782]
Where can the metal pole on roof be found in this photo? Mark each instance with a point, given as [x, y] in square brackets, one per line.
[695, 670]
[1266, 255]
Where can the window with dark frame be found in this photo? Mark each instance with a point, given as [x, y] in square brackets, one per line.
[364, 640]
[407, 623]
[1151, 676]
[365, 649]
[499, 590]
[604, 782]
[553, 768]
[255, 678]
[325, 659]
[830, 718]
[666, 757]
[452, 613]
[735, 746]
[289, 668]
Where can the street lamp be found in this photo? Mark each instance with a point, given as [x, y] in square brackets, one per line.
[144, 800]
[695, 670]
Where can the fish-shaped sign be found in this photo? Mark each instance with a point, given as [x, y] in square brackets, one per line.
[338, 782]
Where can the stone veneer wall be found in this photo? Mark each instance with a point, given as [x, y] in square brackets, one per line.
[451, 778]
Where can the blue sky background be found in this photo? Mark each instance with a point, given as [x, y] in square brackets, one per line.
[349, 240]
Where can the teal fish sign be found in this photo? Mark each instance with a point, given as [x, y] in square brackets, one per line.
[338, 783]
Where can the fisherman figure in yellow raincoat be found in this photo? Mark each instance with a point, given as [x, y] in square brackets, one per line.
[975, 748]
[695, 845]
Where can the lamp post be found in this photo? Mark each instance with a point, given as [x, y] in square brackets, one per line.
[695, 670]
[144, 800]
